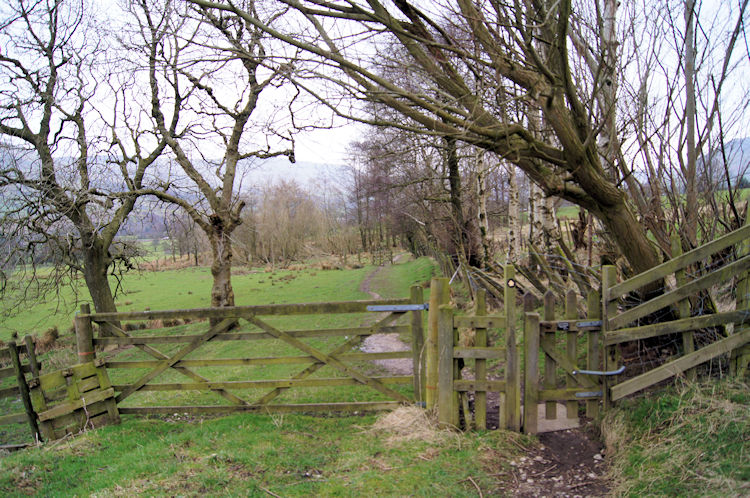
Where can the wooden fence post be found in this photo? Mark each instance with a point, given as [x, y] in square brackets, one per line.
[480, 341]
[446, 396]
[23, 388]
[531, 382]
[513, 365]
[683, 307]
[609, 309]
[31, 355]
[593, 343]
[417, 345]
[571, 343]
[85, 335]
[740, 357]
[439, 295]
[548, 344]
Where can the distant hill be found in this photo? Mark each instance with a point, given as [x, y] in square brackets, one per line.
[738, 158]
[305, 173]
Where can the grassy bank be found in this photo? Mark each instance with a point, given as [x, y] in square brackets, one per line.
[690, 441]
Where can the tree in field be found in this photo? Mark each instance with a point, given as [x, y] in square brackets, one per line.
[203, 104]
[67, 184]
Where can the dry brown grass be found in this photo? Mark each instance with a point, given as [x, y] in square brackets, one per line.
[410, 423]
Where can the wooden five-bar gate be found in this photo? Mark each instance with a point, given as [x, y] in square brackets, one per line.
[198, 358]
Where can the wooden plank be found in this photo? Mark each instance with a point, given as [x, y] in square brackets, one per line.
[252, 336]
[265, 384]
[485, 322]
[679, 365]
[445, 344]
[571, 348]
[248, 311]
[13, 418]
[10, 371]
[34, 365]
[89, 384]
[9, 392]
[66, 408]
[79, 419]
[675, 295]
[343, 348]
[547, 343]
[513, 364]
[674, 327]
[357, 407]
[199, 341]
[281, 360]
[330, 360]
[84, 335]
[531, 373]
[417, 343]
[55, 380]
[481, 353]
[23, 389]
[671, 266]
[480, 341]
[593, 348]
[463, 385]
[609, 310]
[439, 295]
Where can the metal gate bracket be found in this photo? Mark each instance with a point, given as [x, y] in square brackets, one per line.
[599, 372]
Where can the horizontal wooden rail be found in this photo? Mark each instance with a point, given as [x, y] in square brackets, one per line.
[478, 385]
[679, 365]
[9, 372]
[264, 384]
[676, 326]
[482, 322]
[361, 406]
[14, 418]
[5, 354]
[270, 360]
[671, 266]
[9, 392]
[680, 293]
[565, 394]
[479, 353]
[245, 336]
[245, 311]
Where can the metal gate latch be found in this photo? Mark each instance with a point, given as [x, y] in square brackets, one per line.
[399, 307]
[599, 372]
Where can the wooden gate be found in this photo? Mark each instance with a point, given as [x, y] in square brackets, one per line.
[16, 386]
[688, 279]
[335, 350]
[446, 375]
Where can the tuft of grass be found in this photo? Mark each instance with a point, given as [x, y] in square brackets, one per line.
[690, 441]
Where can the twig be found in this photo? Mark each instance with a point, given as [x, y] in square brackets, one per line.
[269, 492]
[479, 490]
[544, 471]
[580, 485]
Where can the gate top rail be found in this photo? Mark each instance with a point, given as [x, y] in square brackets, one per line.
[680, 262]
[244, 311]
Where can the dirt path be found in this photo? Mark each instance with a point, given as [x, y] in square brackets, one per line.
[381, 343]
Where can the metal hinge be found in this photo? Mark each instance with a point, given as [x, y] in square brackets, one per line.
[399, 307]
[589, 394]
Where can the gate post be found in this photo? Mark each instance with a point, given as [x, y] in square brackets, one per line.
[531, 382]
[512, 366]
[417, 345]
[439, 295]
[593, 350]
[609, 308]
[447, 398]
[84, 335]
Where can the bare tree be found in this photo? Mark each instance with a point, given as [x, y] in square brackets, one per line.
[66, 188]
[203, 98]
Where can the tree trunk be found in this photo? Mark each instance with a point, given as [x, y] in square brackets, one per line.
[691, 194]
[222, 293]
[514, 213]
[96, 262]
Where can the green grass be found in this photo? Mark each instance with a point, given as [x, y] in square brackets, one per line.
[690, 441]
[252, 455]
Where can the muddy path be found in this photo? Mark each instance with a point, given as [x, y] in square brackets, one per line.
[381, 343]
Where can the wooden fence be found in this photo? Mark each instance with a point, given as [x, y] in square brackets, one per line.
[18, 369]
[344, 359]
[694, 277]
